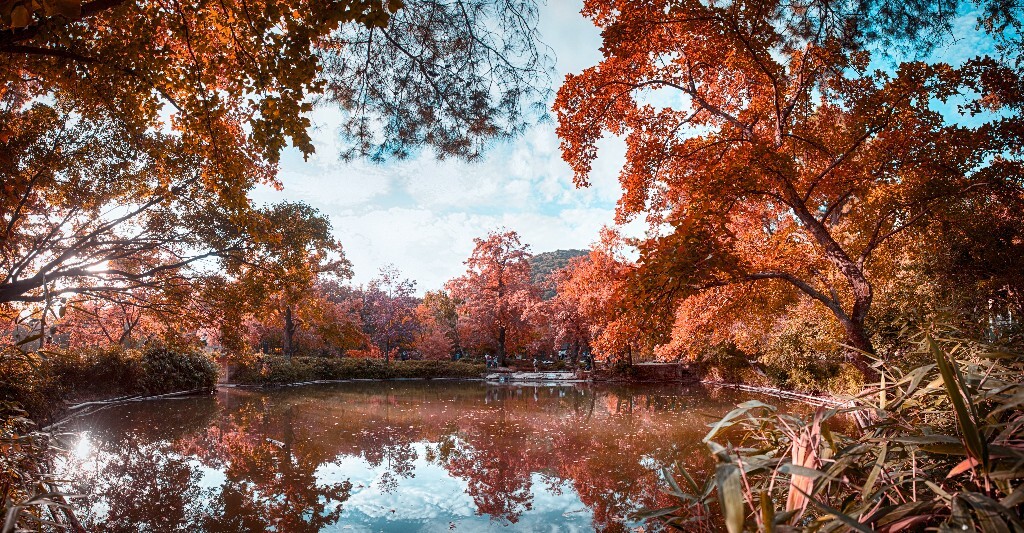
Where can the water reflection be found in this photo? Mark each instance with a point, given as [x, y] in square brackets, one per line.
[401, 456]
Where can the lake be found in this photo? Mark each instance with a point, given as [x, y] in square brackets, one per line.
[389, 456]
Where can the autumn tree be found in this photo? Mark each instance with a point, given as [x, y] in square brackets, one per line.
[778, 160]
[389, 311]
[335, 317]
[496, 293]
[131, 318]
[444, 312]
[218, 66]
[84, 213]
[127, 151]
[298, 253]
[431, 340]
[571, 326]
[590, 303]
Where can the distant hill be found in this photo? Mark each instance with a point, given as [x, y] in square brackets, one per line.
[542, 265]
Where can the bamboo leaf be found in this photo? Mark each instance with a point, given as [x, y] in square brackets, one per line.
[730, 494]
[689, 480]
[956, 392]
[987, 512]
[963, 466]
[838, 515]
[875, 470]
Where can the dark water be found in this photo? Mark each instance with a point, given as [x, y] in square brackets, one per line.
[393, 456]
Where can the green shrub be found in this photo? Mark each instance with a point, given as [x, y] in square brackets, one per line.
[166, 370]
[106, 370]
[25, 384]
[278, 370]
[41, 381]
[800, 360]
[791, 362]
[727, 364]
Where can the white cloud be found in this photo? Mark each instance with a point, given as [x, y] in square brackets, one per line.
[422, 214]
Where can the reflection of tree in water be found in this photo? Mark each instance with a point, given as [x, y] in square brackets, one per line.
[607, 445]
[269, 482]
[385, 444]
[493, 455]
[268, 485]
[144, 487]
[602, 444]
[151, 484]
[619, 475]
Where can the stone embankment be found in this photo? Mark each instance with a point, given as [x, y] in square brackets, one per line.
[641, 373]
[499, 376]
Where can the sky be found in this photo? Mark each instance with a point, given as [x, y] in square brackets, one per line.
[421, 215]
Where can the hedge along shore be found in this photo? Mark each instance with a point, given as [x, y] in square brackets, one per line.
[44, 385]
[276, 370]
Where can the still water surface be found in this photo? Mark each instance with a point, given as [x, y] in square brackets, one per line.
[390, 456]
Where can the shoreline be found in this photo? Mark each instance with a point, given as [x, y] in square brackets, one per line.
[824, 401]
[80, 409]
[522, 378]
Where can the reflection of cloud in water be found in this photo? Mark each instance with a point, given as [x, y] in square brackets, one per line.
[432, 500]
[209, 478]
[419, 456]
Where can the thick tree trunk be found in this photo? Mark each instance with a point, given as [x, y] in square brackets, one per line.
[501, 346]
[288, 343]
[859, 349]
[853, 270]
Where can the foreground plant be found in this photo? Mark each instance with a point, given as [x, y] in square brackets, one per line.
[940, 447]
[29, 499]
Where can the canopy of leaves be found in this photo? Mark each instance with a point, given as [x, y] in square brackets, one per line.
[777, 156]
[135, 145]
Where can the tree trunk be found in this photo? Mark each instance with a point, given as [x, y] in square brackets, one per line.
[501, 346]
[853, 271]
[288, 344]
[859, 348]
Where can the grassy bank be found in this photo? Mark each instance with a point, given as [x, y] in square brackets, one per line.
[792, 372]
[43, 382]
[258, 369]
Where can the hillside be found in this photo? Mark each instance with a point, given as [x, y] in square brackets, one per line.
[543, 264]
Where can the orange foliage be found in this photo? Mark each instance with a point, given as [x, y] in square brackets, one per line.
[431, 340]
[497, 294]
[772, 161]
[588, 301]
